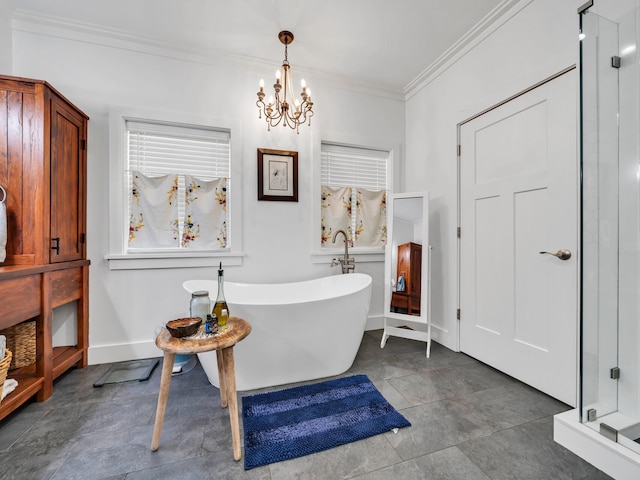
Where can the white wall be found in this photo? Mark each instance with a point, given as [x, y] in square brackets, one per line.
[6, 57]
[126, 307]
[538, 41]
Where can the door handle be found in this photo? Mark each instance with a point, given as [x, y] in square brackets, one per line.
[56, 245]
[562, 254]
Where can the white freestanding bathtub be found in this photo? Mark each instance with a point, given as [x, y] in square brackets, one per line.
[299, 331]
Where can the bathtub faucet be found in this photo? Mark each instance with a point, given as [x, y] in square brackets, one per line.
[348, 263]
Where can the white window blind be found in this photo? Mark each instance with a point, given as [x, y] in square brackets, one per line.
[157, 149]
[346, 166]
[356, 167]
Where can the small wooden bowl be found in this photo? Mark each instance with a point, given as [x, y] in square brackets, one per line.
[183, 327]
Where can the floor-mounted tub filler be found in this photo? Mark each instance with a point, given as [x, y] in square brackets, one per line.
[299, 331]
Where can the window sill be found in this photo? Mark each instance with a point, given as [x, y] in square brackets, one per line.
[361, 256]
[145, 261]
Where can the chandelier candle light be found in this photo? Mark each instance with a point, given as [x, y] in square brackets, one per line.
[279, 109]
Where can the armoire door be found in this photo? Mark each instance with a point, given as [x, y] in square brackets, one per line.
[68, 172]
[404, 265]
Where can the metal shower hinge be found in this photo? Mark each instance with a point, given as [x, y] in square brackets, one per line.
[585, 6]
[609, 432]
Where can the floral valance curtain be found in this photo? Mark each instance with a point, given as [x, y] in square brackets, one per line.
[336, 213]
[371, 218]
[366, 224]
[153, 216]
[154, 219]
[205, 225]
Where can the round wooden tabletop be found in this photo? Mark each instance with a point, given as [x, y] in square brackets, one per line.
[238, 328]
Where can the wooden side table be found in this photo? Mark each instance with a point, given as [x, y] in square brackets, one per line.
[222, 342]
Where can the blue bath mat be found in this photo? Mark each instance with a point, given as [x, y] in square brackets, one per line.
[298, 421]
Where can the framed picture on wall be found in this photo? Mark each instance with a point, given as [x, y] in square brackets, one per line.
[277, 175]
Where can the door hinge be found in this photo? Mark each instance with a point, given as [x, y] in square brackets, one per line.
[614, 373]
[458, 314]
[83, 237]
[459, 150]
[592, 415]
[458, 232]
[615, 61]
[83, 144]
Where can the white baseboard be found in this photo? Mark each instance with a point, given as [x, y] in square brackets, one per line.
[374, 322]
[612, 458]
[123, 352]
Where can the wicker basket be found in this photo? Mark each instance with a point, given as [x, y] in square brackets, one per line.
[4, 368]
[21, 340]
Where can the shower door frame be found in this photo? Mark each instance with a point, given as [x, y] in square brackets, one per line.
[610, 205]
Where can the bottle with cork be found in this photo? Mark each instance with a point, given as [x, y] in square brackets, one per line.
[220, 308]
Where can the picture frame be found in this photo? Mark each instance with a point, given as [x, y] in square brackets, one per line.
[277, 175]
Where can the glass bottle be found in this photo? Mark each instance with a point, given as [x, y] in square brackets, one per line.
[220, 309]
[199, 305]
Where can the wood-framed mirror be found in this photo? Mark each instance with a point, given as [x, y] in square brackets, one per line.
[407, 269]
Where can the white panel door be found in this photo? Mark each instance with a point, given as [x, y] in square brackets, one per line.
[518, 194]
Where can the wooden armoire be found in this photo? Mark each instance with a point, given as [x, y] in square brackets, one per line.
[43, 168]
[409, 266]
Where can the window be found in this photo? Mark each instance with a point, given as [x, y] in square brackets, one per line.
[354, 183]
[191, 129]
[186, 157]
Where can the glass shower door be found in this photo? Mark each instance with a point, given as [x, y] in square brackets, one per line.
[610, 207]
[599, 115]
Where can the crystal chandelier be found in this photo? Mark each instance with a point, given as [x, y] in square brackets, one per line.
[280, 109]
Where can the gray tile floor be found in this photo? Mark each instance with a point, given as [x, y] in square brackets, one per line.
[468, 422]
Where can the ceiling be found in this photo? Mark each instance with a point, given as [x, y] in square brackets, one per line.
[380, 43]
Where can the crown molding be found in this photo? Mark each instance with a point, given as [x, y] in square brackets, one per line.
[85, 32]
[500, 15]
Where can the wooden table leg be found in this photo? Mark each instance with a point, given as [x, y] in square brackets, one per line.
[230, 380]
[165, 382]
[221, 379]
